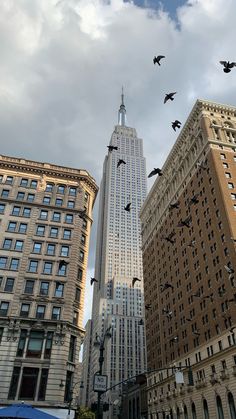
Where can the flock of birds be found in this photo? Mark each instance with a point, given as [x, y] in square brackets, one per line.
[183, 222]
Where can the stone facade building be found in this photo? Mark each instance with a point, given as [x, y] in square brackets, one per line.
[189, 258]
[45, 221]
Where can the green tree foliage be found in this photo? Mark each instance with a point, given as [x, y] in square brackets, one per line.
[84, 413]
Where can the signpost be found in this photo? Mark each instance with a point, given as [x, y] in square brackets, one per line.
[100, 383]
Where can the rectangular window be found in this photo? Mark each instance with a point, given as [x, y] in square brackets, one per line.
[22, 228]
[69, 218]
[48, 346]
[84, 224]
[62, 270]
[80, 274]
[5, 193]
[9, 180]
[24, 182]
[37, 247]
[72, 191]
[53, 232]
[51, 249]
[7, 244]
[24, 311]
[64, 250]
[86, 197]
[22, 342]
[56, 313]
[40, 311]
[230, 185]
[1, 334]
[43, 215]
[83, 239]
[26, 212]
[75, 317]
[33, 266]
[33, 184]
[49, 187]
[59, 202]
[19, 245]
[59, 289]
[81, 255]
[29, 286]
[61, 189]
[28, 383]
[56, 216]
[67, 234]
[20, 196]
[4, 306]
[30, 197]
[3, 262]
[43, 384]
[14, 264]
[40, 230]
[233, 195]
[77, 294]
[15, 210]
[9, 285]
[72, 349]
[47, 268]
[71, 204]
[46, 200]
[2, 208]
[14, 383]
[44, 288]
[68, 386]
[11, 226]
[222, 156]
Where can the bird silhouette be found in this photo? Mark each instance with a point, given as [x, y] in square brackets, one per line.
[135, 280]
[167, 313]
[196, 333]
[156, 60]
[185, 223]
[155, 172]
[169, 238]
[221, 292]
[194, 200]
[128, 207]
[175, 339]
[227, 66]
[229, 269]
[169, 96]
[82, 213]
[148, 306]
[188, 320]
[176, 124]
[62, 263]
[202, 165]
[120, 161]
[175, 205]
[92, 280]
[112, 147]
[197, 294]
[165, 286]
[192, 243]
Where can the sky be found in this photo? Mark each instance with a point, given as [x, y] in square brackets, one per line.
[63, 63]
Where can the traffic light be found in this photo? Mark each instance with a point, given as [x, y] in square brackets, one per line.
[190, 377]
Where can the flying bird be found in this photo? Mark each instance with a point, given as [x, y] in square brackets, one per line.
[192, 243]
[82, 213]
[229, 269]
[155, 172]
[169, 96]
[176, 124]
[169, 238]
[175, 205]
[227, 66]
[134, 280]
[165, 286]
[197, 294]
[92, 280]
[148, 306]
[120, 161]
[112, 147]
[156, 60]
[175, 339]
[168, 313]
[128, 207]
[202, 165]
[62, 263]
[194, 200]
[185, 223]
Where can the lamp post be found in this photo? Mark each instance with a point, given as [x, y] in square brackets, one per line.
[100, 343]
[71, 390]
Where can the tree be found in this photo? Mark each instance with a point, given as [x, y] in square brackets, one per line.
[84, 413]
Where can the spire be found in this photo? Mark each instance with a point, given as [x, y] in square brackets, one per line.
[122, 111]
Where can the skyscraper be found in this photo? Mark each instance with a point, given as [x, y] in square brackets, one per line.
[116, 302]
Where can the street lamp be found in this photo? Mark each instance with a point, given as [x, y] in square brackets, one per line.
[100, 343]
[71, 390]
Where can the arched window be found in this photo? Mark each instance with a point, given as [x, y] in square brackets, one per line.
[231, 406]
[194, 415]
[219, 408]
[205, 409]
[185, 412]
[171, 414]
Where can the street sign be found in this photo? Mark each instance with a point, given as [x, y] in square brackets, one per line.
[179, 377]
[100, 383]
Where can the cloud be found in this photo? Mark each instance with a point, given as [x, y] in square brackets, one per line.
[63, 63]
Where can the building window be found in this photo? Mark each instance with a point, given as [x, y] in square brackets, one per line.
[46, 200]
[20, 196]
[61, 189]
[11, 226]
[26, 212]
[53, 232]
[28, 383]
[49, 187]
[72, 349]
[80, 274]
[33, 266]
[3, 262]
[37, 247]
[56, 313]
[228, 175]
[2, 208]
[9, 180]
[62, 270]
[22, 228]
[84, 224]
[219, 407]
[40, 311]
[77, 294]
[67, 234]
[222, 156]
[7, 244]
[14, 264]
[29, 286]
[56, 216]
[75, 317]
[24, 312]
[19, 245]
[4, 306]
[64, 250]
[44, 288]
[230, 185]
[15, 210]
[40, 230]
[68, 386]
[5, 193]
[205, 409]
[233, 196]
[83, 239]
[30, 197]
[194, 414]
[43, 215]
[59, 202]
[86, 196]
[47, 269]
[9, 285]
[72, 191]
[43, 384]
[69, 218]
[48, 346]
[71, 204]
[59, 289]
[33, 184]
[14, 383]
[81, 255]
[24, 182]
[231, 406]
[51, 249]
